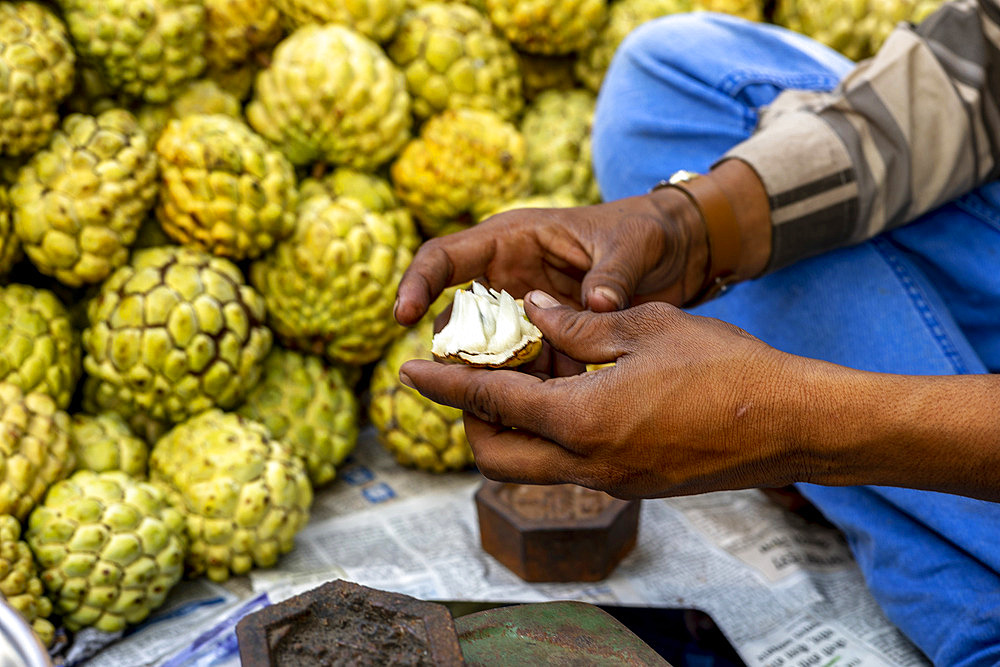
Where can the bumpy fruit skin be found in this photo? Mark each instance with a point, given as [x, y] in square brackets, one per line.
[453, 59]
[549, 27]
[330, 288]
[10, 245]
[560, 200]
[244, 494]
[110, 548]
[751, 10]
[240, 31]
[464, 164]
[79, 203]
[331, 94]
[856, 28]
[19, 582]
[309, 406]
[418, 432]
[541, 73]
[375, 19]
[36, 73]
[173, 333]
[34, 448]
[623, 17]
[105, 442]
[203, 96]
[39, 350]
[144, 48]
[225, 190]
[556, 129]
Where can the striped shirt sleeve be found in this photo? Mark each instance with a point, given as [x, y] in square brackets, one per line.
[904, 132]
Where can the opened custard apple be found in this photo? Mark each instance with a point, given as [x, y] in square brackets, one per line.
[330, 94]
[244, 495]
[109, 547]
[79, 203]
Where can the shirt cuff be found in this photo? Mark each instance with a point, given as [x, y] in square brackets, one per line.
[810, 181]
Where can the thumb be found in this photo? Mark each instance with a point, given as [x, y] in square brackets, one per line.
[588, 337]
[611, 281]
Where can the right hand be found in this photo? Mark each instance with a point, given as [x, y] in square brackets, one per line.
[604, 258]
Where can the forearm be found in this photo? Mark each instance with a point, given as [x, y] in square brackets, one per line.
[939, 433]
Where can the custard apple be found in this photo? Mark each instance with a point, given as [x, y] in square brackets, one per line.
[34, 448]
[375, 19]
[244, 494]
[79, 203]
[144, 48]
[225, 189]
[39, 350]
[240, 31]
[19, 582]
[204, 96]
[623, 17]
[105, 443]
[332, 95]
[417, 431]
[331, 287]
[453, 58]
[556, 129]
[464, 164]
[10, 245]
[310, 407]
[371, 191]
[549, 27]
[856, 28]
[541, 73]
[109, 547]
[173, 333]
[751, 10]
[559, 200]
[36, 73]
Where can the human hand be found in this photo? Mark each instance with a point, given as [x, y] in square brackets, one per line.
[692, 405]
[602, 257]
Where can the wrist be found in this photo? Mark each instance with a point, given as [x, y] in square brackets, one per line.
[672, 204]
[752, 212]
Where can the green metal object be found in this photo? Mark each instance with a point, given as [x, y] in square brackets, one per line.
[551, 633]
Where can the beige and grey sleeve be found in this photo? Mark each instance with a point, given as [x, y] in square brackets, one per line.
[904, 132]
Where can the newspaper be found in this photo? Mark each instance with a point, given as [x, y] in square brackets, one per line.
[784, 591]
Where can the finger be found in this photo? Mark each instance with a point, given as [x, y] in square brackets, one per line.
[590, 338]
[617, 271]
[439, 263]
[503, 397]
[517, 456]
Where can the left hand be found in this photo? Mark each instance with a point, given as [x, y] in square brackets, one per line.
[692, 405]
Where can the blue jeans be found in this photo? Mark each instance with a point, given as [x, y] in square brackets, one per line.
[923, 299]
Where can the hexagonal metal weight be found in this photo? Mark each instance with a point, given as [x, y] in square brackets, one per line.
[341, 623]
[555, 533]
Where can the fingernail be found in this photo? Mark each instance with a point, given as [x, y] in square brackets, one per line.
[405, 379]
[395, 306]
[542, 300]
[605, 292]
